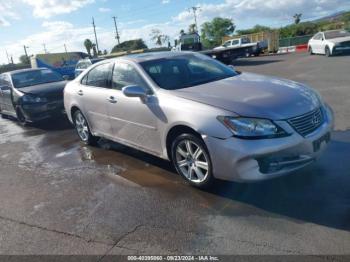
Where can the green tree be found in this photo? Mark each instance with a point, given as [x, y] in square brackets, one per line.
[297, 18]
[214, 31]
[255, 29]
[129, 46]
[88, 45]
[24, 60]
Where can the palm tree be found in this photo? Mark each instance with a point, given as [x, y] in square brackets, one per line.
[297, 18]
[88, 45]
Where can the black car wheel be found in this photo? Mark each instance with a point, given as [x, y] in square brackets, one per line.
[83, 129]
[328, 52]
[20, 117]
[310, 51]
[192, 161]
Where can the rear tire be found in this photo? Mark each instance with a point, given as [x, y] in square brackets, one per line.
[192, 161]
[83, 129]
[327, 51]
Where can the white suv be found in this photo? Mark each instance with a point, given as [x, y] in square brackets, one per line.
[330, 43]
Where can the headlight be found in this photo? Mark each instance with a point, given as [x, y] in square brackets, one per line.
[252, 128]
[33, 99]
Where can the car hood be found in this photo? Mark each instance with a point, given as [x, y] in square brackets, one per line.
[44, 90]
[253, 95]
[340, 39]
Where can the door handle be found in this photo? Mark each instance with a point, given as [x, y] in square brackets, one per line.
[112, 100]
[80, 92]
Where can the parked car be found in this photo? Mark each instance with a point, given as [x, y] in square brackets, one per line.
[208, 119]
[330, 43]
[85, 63]
[31, 95]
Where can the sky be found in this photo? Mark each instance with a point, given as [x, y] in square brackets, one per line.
[57, 22]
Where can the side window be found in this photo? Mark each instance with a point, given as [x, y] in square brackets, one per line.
[126, 75]
[235, 42]
[98, 76]
[318, 37]
[5, 82]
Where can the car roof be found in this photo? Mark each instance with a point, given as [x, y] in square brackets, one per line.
[25, 70]
[138, 58]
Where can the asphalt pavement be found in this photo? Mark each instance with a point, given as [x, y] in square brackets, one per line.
[58, 196]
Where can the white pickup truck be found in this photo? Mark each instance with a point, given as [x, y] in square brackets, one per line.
[242, 42]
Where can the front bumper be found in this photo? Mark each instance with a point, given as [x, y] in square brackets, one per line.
[39, 112]
[244, 160]
[341, 50]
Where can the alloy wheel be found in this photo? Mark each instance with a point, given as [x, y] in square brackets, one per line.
[82, 127]
[192, 161]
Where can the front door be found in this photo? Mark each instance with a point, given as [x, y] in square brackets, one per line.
[316, 43]
[6, 96]
[134, 120]
[93, 94]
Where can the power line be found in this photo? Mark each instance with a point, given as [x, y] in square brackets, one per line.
[116, 29]
[93, 24]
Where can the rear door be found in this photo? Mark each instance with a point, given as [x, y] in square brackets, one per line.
[93, 96]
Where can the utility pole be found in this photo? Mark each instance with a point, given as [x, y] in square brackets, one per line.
[116, 30]
[26, 53]
[45, 50]
[93, 24]
[8, 58]
[65, 48]
[194, 10]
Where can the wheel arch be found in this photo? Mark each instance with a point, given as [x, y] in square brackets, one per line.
[177, 130]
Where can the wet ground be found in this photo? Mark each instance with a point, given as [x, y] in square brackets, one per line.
[60, 197]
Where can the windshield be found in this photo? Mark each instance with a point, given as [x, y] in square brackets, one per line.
[186, 71]
[35, 77]
[336, 34]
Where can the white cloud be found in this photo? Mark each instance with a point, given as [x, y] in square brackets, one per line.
[104, 10]
[7, 13]
[277, 12]
[47, 9]
[164, 2]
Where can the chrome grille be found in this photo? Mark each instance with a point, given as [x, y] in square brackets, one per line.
[307, 123]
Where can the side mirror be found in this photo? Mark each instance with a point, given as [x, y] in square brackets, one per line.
[66, 77]
[134, 91]
[232, 67]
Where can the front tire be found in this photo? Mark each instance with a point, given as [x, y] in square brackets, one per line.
[327, 51]
[83, 129]
[192, 161]
[21, 118]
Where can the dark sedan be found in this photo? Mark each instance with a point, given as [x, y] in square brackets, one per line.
[31, 95]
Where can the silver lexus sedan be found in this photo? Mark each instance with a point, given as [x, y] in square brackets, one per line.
[208, 119]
